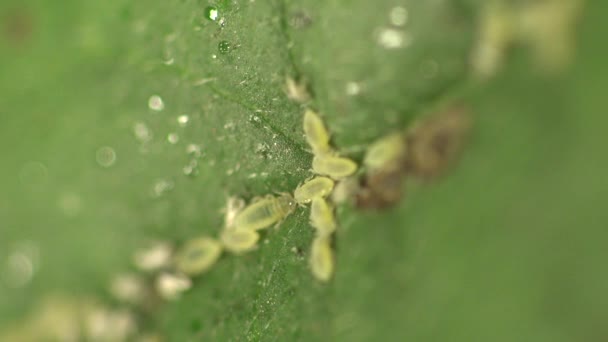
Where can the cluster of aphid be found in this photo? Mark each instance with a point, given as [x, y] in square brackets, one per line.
[243, 223]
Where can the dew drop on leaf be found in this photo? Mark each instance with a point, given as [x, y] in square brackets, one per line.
[211, 13]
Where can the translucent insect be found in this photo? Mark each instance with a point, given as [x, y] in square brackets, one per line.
[170, 286]
[198, 255]
[322, 258]
[239, 240]
[322, 217]
[316, 133]
[316, 187]
[345, 190]
[333, 166]
[297, 91]
[388, 151]
[264, 212]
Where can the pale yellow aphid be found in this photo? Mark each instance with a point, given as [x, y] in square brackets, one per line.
[333, 166]
[322, 258]
[316, 187]
[297, 91]
[265, 212]
[239, 240]
[385, 152]
[316, 133]
[345, 190]
[171, 285]
[198, 255]
[322, 217]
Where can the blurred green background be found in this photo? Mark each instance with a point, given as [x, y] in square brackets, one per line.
[509, 246]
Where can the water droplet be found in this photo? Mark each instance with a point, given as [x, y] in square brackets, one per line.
[172, 138]
[161, 187]
[142, 132]
[194, 150]
[183, 120]
[156, 103]
[353, 88]
[223, 46]
[214, 56]
[191, 169]
[21, 264]
[392, 39]
[211, 13]
[70, 204]
[398, 16]
[105, 156]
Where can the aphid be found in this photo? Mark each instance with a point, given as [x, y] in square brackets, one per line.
[387, 152]
[382, 186]
[297, 91]
[334, 167]
[436, 142]
[128, 288]
[322, 217]
[265, 212]
[322, 258]
[198, 255]
[239, 240]
[316, 187]
[345, 190]
[170, 286]
[316, 133]
[153, 257]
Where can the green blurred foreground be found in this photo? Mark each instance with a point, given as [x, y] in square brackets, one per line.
[122, 123]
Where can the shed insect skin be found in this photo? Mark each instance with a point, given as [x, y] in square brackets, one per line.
[316, 133]
[239, 241]
[316, 187]
[322, 258]
[436, 142]
[265, 212]
[322, 217]
[333, 166]
[198, 255]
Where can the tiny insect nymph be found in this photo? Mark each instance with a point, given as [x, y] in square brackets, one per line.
[333, 166]
[239, 240]
[322, 217]
[265, 212]
[198, 255]
[316, 133]
[322, 259]
[385, 152]
[316, 187]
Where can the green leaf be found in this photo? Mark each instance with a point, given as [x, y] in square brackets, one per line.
[509, 245]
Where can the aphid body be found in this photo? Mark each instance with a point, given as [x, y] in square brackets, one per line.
[333, 166]
[388, 151]
[322, 259]
[322, 217]
[198, 255]
[316, 187]
[239, 240]
[264, 212]
[316, 133]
